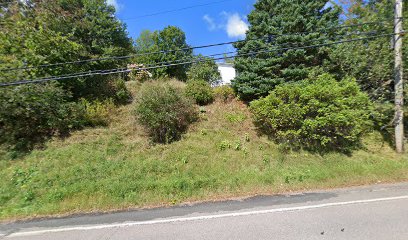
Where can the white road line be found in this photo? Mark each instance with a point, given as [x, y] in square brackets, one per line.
[206, 217]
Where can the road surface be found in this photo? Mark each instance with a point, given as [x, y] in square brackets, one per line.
[374, 212]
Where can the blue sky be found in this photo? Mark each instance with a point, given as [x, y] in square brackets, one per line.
[220, 22]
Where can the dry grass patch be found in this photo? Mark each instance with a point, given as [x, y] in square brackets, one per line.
[221, 156]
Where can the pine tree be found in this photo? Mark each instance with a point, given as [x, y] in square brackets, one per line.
[276, 22]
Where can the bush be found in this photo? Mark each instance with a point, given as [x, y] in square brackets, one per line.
[122, 94]
[200, 91]
[29, 115]
[205, 71]
[224, 93]
[317, 114]
[105, 88]
[164, 111]
[97, 113]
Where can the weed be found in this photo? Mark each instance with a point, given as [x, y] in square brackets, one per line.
[21, 177]
[28, 196]
[114, 167]
[224, 145]
[246, 152]
[184, 160]
[266, 160]
[235, 117]
[237, 146]
[247, 139]
[299, 177]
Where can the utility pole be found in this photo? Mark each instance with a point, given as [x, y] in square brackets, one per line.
[399, 83]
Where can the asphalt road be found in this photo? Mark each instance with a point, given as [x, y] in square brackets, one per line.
[374, 212]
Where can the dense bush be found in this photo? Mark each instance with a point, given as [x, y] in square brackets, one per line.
[29, 115]
[224, 93]
[206, 71]
[106, 88]
[164, 110]
[318, 114]
[200, 91]
[97, 113]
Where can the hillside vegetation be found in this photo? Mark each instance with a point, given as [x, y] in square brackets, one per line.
[221, 156]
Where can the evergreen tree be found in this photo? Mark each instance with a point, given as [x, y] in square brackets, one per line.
[275, 22]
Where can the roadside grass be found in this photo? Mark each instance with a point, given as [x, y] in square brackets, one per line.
[117, 168]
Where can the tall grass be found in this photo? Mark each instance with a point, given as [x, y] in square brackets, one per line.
[116, 167]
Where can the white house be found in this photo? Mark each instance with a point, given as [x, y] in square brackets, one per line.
[227, 71]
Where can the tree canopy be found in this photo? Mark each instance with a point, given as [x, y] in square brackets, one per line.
[48, 31]
[275, 22]
[169, 41]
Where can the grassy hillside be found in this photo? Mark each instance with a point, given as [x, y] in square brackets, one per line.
[221, 156]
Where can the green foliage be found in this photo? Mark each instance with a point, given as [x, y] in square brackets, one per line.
[108, 88]
[318, 114]
[168, 39]
[235, 117]
[284, 19]
[200, 91]
[370, 62]
[164, 110]
[29, 115]
[98, 113]
[205, 71]
[121, 95]
[224, 145]
[63, 31]
[224, 93]
[116, 166]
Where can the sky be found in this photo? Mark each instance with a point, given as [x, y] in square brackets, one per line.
[216, 21]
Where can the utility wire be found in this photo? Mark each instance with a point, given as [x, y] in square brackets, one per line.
[210, 56]
[183, 49]
[276, 45]
[122, 70]
[174, 10]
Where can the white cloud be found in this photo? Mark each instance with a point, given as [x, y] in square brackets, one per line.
[114, 3]
[211, 24]
[233, 24]
[236, 27]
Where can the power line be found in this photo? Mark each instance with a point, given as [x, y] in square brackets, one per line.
[122, 70]
[277, 45]
[215, 55]
[183, 49]
[174, 10]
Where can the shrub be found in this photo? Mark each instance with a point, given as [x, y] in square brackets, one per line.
[164, 111]
[317, 114]
[97, 113]
[224, 93]
[106, 88]
[122, 94]
[200, 91]
[29, 115]
[205, 71]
